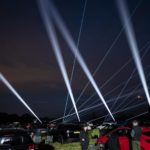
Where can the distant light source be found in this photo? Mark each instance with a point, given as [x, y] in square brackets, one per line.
[53, 39]
[124, 15]
[139, 97]
[76, 52]
[4, 80]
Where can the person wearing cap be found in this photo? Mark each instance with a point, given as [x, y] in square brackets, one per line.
[84, 139]
[136, 135]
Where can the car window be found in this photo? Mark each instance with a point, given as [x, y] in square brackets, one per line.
[14, 140]
[68, 127]
[41, 132]
[118, 133]
[5, 140]
[17, 140]
[122, 132]
[127, 132]
[146, 133]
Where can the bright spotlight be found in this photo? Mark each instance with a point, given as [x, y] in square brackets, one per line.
[76, 52]
[98, 105]
[4, 80]
[53, 39]
[124, 15]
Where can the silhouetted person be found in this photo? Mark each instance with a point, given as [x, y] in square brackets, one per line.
[136, 136]
[84, 139]
[113, 143]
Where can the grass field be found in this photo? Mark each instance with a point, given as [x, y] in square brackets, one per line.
[70, 146]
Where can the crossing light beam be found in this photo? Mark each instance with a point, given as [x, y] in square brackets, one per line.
[4, 80]
[124, 15]
[76, 52]
[53, 39]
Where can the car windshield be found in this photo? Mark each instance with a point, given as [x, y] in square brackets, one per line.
[5, 140]
[41, 132]
[69, 127]
[15, 139]
[107, 129]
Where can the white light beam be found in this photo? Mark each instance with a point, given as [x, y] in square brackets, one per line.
[124, 15]
[76, 52]
[53, 39]
[4, 80]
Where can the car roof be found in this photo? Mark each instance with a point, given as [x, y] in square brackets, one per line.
[12, 131]
[69, 125]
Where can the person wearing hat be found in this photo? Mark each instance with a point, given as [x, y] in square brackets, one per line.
[136, 135]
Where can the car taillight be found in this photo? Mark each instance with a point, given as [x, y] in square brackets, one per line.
[32, 147]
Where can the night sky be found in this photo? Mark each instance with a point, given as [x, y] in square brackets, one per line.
[28, 62]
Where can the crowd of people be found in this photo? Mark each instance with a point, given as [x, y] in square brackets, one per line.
[134, 138]
[85, 134]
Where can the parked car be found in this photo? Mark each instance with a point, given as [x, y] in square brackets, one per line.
[119, 139]
[16, 139]
[42, 135]
[145, 138]
[107, 127]
[68, 133]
